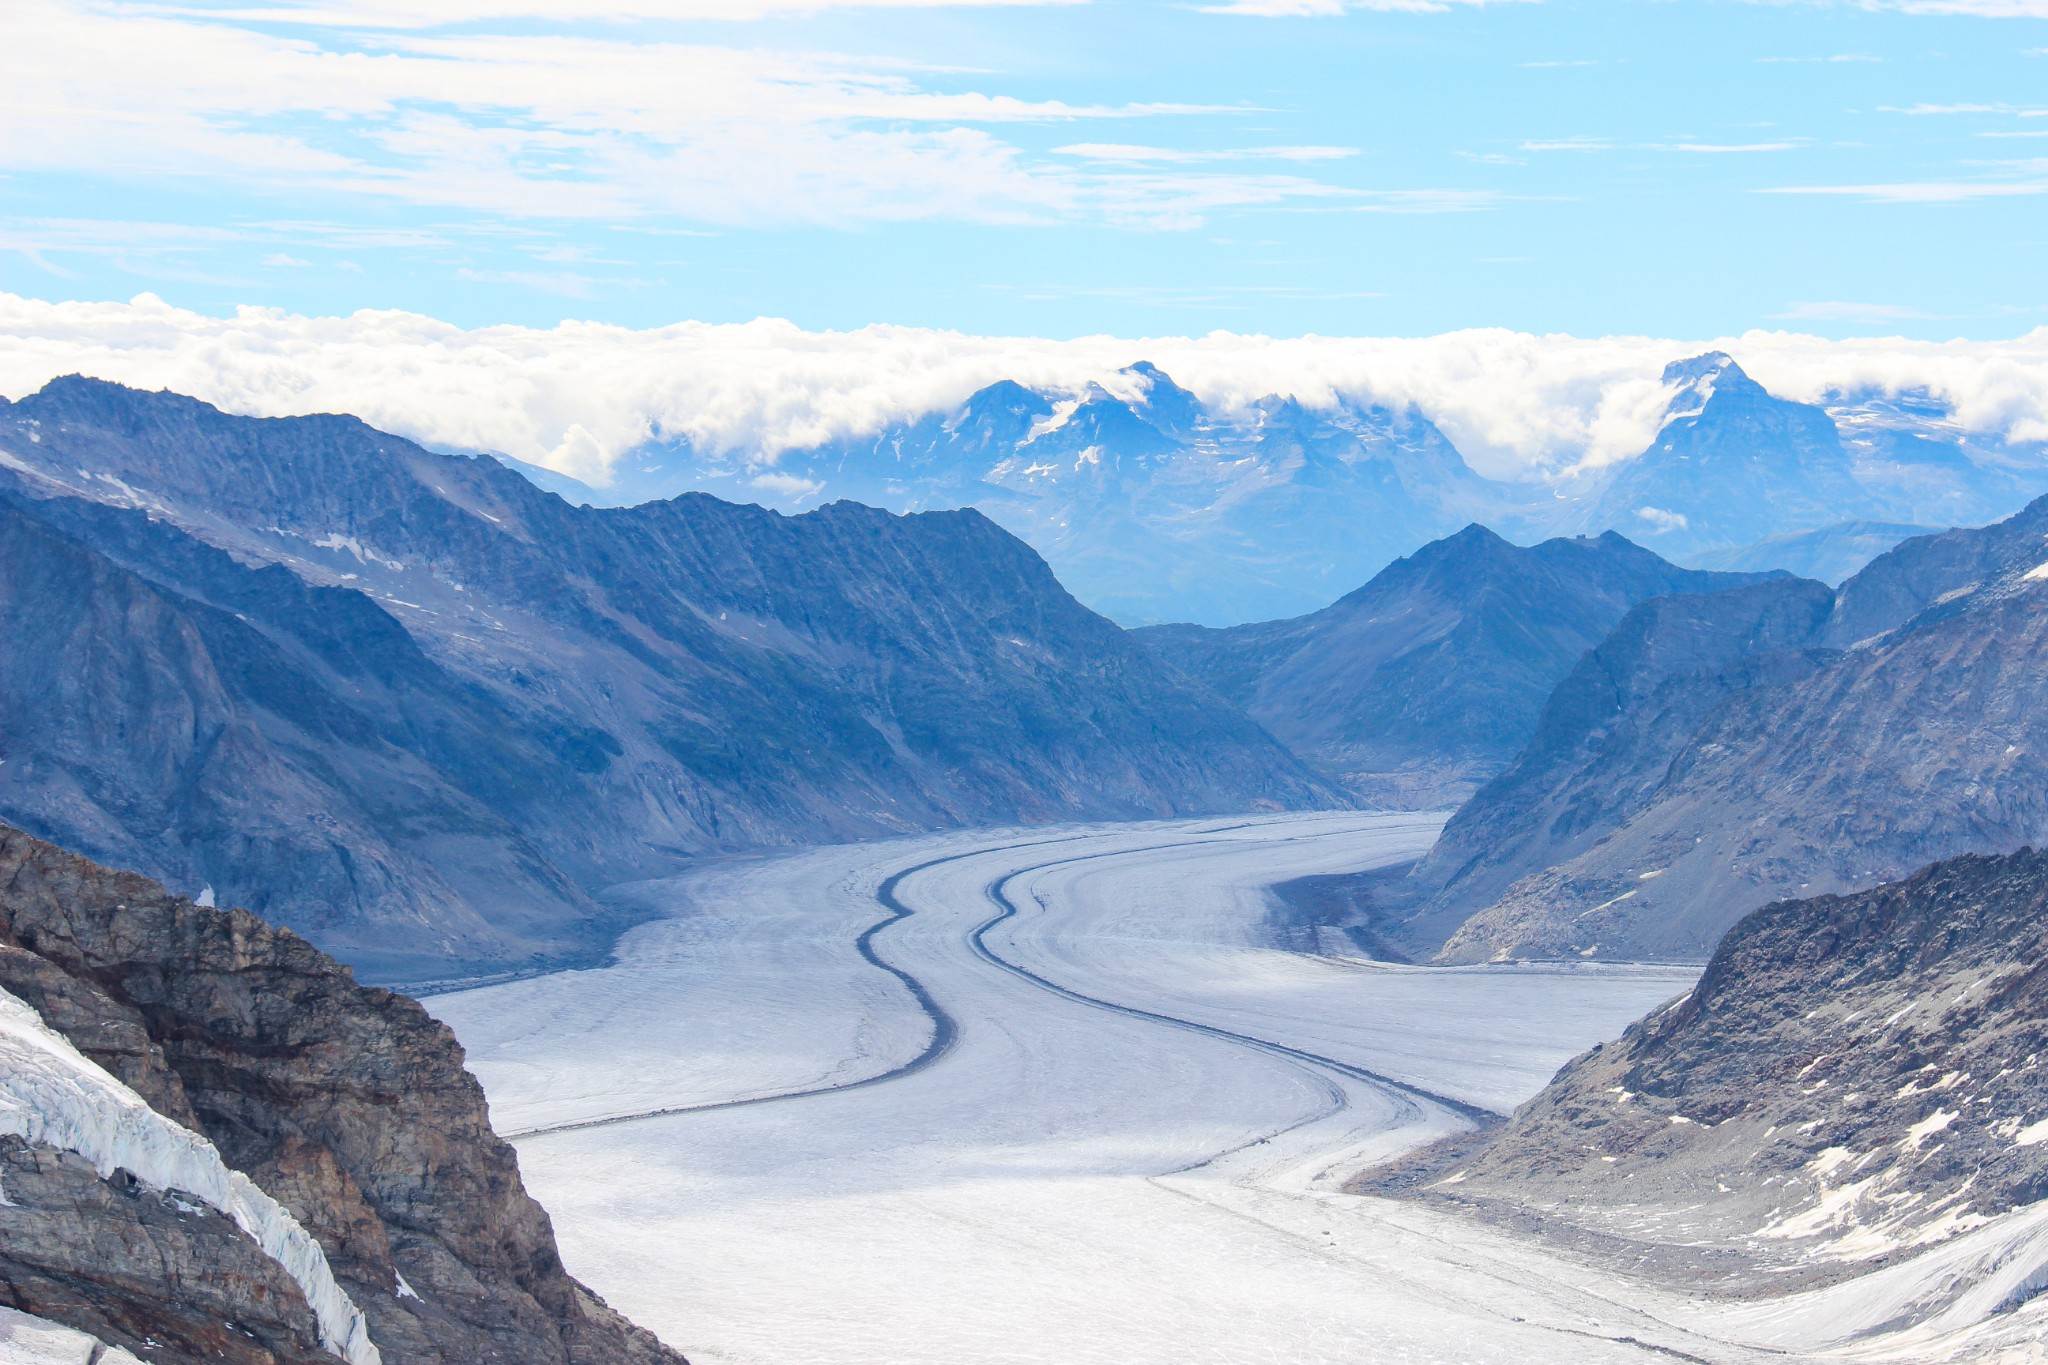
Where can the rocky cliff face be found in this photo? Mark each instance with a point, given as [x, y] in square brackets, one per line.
[1603, 748]
[1426, 681]
[416, 707]
[1715, 753]
[347, 1104]
[1853, 1079]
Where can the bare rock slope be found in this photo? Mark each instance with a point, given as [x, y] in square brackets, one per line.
[1417, 687]
[1854, 1079]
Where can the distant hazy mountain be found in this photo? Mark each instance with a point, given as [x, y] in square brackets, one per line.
[1715, 753]
[1153, 507]
[1426, 681]
[415, 706]
[1732, 465]
[1853, 1079]
[1829, 554]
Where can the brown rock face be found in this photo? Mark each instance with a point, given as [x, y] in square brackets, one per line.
[348, 1104]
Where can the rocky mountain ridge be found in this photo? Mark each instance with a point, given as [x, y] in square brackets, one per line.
[1716, 752]
[1855, 1082]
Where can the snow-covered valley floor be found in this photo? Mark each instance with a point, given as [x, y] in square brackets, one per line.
[1123, 1144]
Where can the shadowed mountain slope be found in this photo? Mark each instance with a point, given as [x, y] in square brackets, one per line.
[1717, 752]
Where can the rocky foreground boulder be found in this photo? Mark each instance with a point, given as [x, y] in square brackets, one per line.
[347, 1105]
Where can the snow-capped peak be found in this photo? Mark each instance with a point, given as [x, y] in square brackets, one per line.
[1695, 382]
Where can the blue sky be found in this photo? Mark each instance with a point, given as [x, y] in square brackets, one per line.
[1680, 168]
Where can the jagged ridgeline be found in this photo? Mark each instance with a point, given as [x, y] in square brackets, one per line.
[216, 1146]
[1855, 1079]
[415, 707]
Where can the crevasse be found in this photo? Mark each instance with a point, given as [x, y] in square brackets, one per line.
[52, 1095]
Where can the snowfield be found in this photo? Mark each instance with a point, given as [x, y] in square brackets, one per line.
[1113, 1130]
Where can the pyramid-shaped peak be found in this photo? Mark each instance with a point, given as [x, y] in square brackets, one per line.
[1714, 365]
[1703, 380]
[1007, 395]
[1165, 402]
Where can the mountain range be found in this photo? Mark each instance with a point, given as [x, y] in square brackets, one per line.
[418, 708]
[1155, 507]
[426, 712]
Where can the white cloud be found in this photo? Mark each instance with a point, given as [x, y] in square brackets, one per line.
[1601, 144]
[1717, 148]
[1662, 521]
[1925, 110]
[1129, 154]
[788, 485]
[1980, 9]
[1925, 191]
[576, 396]
[586, 124]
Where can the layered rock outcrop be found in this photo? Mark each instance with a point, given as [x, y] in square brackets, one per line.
[347, 1104]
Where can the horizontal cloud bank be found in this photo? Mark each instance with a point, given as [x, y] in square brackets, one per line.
[576, 396]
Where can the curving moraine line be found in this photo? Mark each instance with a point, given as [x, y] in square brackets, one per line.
[998, 892]
[946, 1029]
